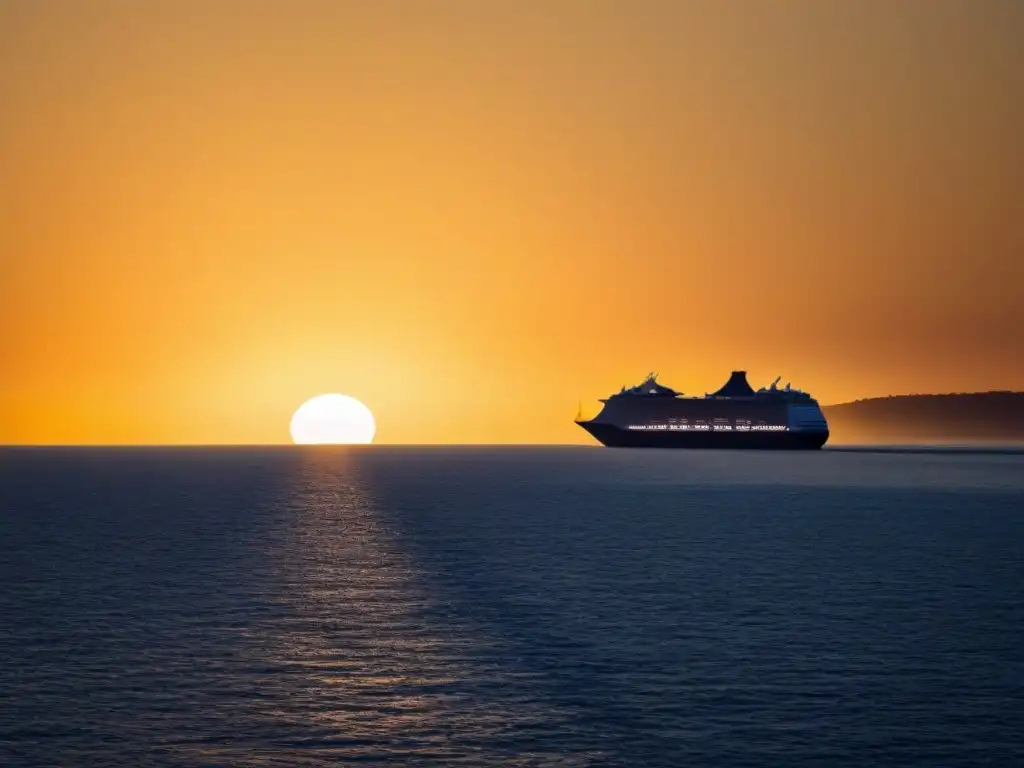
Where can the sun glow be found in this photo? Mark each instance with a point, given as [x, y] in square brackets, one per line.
[332, 420]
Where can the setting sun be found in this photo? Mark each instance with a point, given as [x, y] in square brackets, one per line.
[332, 420]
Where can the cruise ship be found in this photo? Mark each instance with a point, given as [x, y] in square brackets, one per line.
[651, 415]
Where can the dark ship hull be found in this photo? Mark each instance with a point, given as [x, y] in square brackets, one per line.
[615, 437]
[734, 417]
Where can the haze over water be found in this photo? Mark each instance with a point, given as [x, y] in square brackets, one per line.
[517, 606]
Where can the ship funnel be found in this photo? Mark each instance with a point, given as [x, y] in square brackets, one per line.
[736, 386]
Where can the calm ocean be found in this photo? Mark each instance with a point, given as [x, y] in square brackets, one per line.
[510, 606]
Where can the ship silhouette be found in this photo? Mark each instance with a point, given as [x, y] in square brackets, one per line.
[652, 415]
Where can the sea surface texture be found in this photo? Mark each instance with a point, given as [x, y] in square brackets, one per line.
[512, 607]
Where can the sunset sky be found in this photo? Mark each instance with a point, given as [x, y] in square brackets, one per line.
[471, 215]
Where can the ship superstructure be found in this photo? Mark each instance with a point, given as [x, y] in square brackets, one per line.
[735, 416]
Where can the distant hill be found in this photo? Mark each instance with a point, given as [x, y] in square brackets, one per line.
[953, 418]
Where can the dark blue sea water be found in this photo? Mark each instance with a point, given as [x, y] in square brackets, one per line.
[519, 606]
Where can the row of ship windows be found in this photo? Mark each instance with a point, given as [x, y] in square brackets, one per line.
[699, 426]
[748, 422]
[718, 423]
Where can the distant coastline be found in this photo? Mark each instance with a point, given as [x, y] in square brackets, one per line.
[974, 417]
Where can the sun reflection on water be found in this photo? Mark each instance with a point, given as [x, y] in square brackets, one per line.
[357, 662]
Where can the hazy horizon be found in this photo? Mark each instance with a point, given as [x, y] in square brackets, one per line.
[852, 423]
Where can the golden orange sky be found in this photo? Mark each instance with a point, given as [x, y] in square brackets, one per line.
[472, 215]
